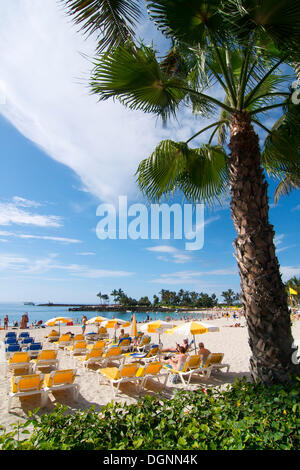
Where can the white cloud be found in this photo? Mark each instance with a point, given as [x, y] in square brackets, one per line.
[12, 263]
[289, 271]
[4, 233]
[175, 255]
[162, 249]
[45, 74]
[15, 212]
[192, 277]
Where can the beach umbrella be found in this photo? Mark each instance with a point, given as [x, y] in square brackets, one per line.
[58, 321]
[156, 326]
[97, 319]
[133, 326]
[193, 328]
[115, 323]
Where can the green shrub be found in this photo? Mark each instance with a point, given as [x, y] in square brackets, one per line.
[244, 416]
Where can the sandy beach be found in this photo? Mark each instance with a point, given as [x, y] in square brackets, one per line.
[233, 342]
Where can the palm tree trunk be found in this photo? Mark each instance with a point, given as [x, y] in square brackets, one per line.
[263, 293]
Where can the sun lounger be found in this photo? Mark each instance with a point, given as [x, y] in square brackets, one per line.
[61, 380]
[113, 353]
[52, 336]
[145, 341]
[26, 385]
[152, 370]
[116, 376]
[64, 340]
[10, 349]
[191, 366]
[33, 349]
[46, 358]
[214, 362]
[79, 347]
[19, 360]
[102, 344]
[146, 356]
[92, 357]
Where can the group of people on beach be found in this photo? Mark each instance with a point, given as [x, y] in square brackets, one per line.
[177, 360]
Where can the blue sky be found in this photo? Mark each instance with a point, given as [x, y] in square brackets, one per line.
[63, 154]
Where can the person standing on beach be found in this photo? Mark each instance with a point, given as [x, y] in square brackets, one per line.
[83, 323]
[5, 321]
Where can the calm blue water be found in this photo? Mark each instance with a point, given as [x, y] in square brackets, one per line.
[16, 310]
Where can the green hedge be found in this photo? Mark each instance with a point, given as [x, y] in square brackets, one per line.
[244, 416]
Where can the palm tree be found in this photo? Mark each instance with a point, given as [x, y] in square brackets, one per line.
[252, 85]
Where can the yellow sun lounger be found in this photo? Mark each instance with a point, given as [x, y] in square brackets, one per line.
[26, 385]
[19, 360]
[152, 370]
[214, 362]
[52, 336]
[116, 376]
[64, 340]
[101, 344]
[92, 357]
[80, 347]
[146, 356]
[46, 358]
[114, 353]
[191, 366]
[61, 380]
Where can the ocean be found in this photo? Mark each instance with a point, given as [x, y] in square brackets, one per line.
[16, 310]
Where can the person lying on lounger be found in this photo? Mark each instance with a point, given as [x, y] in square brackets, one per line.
[184, 346]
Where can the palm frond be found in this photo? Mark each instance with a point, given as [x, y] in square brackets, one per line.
[286, 186]
[188, 22]
[280, 20]
[281, 152]
[200, 174]
[134, 77]
[113, 21]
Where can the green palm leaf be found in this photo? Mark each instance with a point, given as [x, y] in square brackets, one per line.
[280, 20]
[187, 21]
[200, 174]
[287, 185]
[136, 78]
[113, 21]
[281, 153]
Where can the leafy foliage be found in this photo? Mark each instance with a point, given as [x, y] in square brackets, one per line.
[246, 416]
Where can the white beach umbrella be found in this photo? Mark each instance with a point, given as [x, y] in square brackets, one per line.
[96, 320]
[156, 326]
[193, 328]
[58, 321]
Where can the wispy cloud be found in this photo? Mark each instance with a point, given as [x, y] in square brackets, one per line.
[289, 271]
[12, 263]
[17, 212]
[192, 277]
[278, 240]
[173, 253]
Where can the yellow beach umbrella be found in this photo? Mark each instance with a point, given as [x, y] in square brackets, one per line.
[97, 319]
[114, 322]
[156, 326]
[58, 321]
[111, 323]
[193, 328]
[133, 326]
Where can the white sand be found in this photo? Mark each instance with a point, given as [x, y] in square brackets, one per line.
[233, 342]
